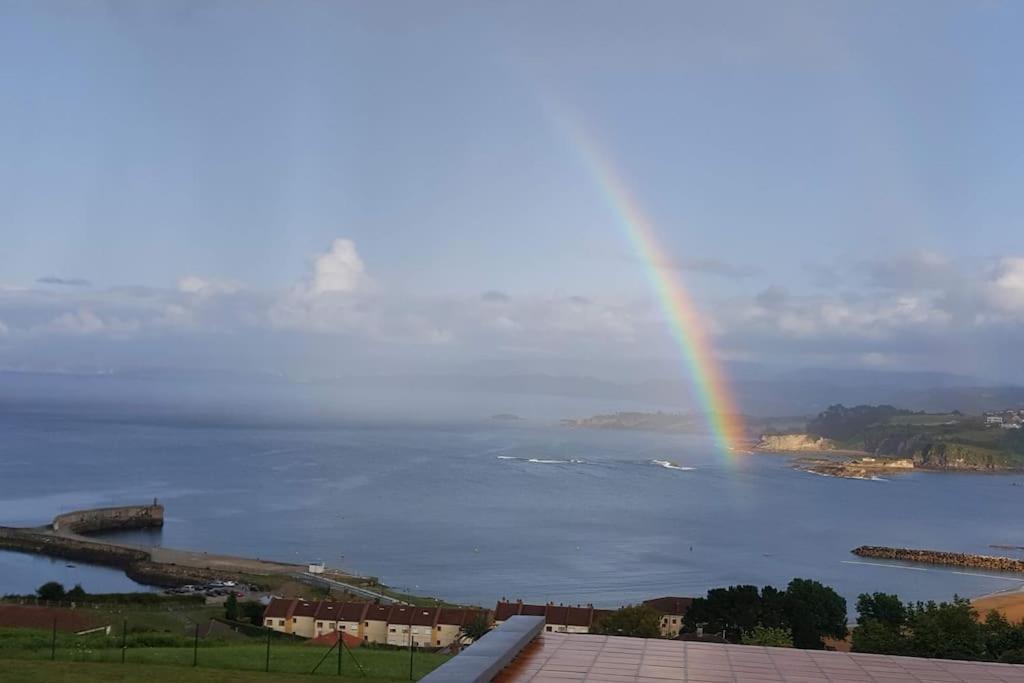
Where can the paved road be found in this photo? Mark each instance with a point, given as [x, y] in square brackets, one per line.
[320, 580]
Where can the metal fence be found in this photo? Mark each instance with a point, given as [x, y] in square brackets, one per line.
[213, 645]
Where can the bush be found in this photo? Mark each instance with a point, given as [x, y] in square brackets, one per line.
[639, 621]
[769, 636]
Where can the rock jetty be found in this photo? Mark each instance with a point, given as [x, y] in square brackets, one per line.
[990, 562]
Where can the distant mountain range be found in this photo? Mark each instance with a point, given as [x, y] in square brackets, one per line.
[757, 390]
[800, 392]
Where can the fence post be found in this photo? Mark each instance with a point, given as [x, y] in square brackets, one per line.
[268, 650]
[53, 641]
[341, 643]
[195, 648]
[124, 639]
[410, 650]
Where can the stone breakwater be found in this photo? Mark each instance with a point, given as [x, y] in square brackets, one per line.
[110, 519]
[155, 566]
[990, 562]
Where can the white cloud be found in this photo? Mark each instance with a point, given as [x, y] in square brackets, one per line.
[82, 321]
[335, 306]
[338, 270]
[194, 284]
[1005, 289]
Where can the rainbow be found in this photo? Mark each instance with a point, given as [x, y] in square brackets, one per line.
[710, 384]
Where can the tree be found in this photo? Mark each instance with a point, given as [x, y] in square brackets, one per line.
[638, 621]
[252, 610]
[879, 638]
[476, 629]
[52, 591]
[734, 610]
[813, 611]
[76, 594]
[947, 630]
[884, 608]
[768, 635]
[231, 608]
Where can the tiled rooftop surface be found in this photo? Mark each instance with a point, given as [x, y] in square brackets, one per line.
[556, 658]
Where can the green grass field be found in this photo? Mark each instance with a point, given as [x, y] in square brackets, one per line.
[174, 651]
[77, 672]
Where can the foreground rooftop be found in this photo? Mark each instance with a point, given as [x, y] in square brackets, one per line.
[556, 658]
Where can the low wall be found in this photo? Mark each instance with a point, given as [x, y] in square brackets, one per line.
[110, 519]
[991, 562]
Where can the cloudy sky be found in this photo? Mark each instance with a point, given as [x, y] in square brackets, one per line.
[321, 188]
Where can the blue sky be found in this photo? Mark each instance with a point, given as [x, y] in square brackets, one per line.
[837, 183]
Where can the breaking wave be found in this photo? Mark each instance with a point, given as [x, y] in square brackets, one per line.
[543, 461]
[669, 465]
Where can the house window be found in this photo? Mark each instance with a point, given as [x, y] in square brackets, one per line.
[549, 628]
[393, 630]
[319, 624]
[280, 622]
[673, 620]
[366, 623]
[295, 620]
[438, 642]
[438, 629]
[366, 638]
[342, 627]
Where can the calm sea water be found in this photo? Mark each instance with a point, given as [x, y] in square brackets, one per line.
[475, 510]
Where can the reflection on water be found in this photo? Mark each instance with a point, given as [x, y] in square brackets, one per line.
[142, 537]
[22, 574]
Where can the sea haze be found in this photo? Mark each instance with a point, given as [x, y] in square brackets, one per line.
[475, 509]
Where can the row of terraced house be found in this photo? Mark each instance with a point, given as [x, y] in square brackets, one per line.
[580, 619]
[402, 625]
[364, 622]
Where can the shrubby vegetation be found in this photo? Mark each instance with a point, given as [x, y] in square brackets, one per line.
[843, 424]
[638, 621]
[944, 630]
[769, 636]
[807, 610]
[52, 591]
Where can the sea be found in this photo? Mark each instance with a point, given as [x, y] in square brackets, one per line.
[447, 501]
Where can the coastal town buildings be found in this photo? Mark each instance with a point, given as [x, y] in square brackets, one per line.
[557, 618]
[1007, 419]
[396, 625]
[672, 609]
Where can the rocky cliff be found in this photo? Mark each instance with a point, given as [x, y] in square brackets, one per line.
[793, 443]
[929, 453]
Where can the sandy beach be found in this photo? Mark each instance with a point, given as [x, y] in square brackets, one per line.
[1009, 603]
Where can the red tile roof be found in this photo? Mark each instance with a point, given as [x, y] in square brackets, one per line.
[579, 616]
[670, 604]
[556, 614]
[553, 614]
[400, 614]
[504, 610]
[460, 617]
[377, 612]
[280, 608]
[331, 637]
[424, 616]
[304, 608]
[327, 610]
[533, 610]
[354, 611]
